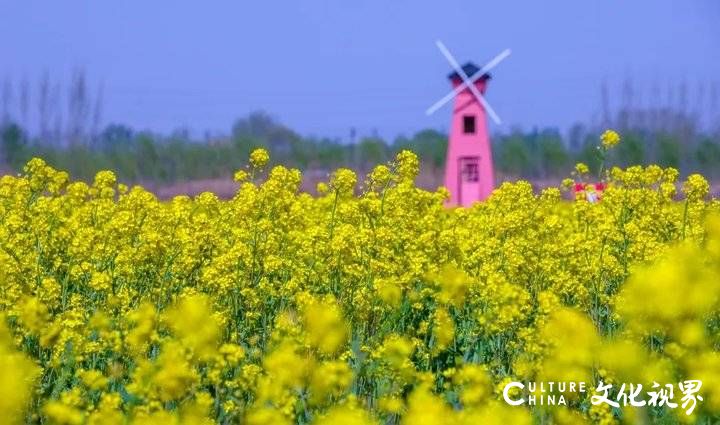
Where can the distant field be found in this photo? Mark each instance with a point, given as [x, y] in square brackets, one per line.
[225, 187]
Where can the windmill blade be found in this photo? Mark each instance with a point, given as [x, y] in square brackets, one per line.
[493, 63]
[450, 58]
[490, 65]
[487, 106]
[448, 97]
[467, 82]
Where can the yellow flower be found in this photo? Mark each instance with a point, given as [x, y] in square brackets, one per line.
[326, 329]
[93, 379]
[266, 416]
[322, 188]
[389, 404]
[424, 408]
[17, 377]
[696, 187]
[240, 176]
[175, 376]
[259, 157]
[453, 285]
[407, 164]
[345, 415]
[444, 330]
[195, 325]
[329, 379]
[354, 306]
[476, 384]
[396, 350]
[581, 168]
[380, 176]
[609, 138]
[388, 291]
[343, 181]
[62, 414]
[33, 314]
[108, 411]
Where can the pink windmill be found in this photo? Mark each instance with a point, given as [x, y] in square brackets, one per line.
[469, 174]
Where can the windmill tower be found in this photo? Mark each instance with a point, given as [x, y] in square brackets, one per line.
[469, 171]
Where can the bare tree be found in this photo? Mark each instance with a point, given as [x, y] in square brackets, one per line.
[640, 110]
[77, 107]
[714, 106]
[627, 97]
[24, 103]
[655, 106]
[55, 100]
[682, 97]
[699, 105]
[7, 99]
[605, 100]
[97, 112]
[44, 107]
[670, 101]
[678, 109]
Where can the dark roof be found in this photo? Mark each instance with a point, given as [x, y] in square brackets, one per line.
[470, 69]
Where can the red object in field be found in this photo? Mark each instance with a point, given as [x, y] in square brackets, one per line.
[592, 192]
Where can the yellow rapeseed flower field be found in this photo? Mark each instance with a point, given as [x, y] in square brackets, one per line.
[371, 303]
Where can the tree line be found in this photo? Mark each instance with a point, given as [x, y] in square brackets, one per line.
[69, 136]
[537, 154]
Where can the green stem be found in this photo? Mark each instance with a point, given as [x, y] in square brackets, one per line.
[332, 216]
[602, 163]
[685, 214]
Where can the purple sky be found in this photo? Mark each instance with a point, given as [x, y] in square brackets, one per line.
[323, 67]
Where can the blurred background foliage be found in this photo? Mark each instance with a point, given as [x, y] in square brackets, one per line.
[69, 133]
[537, 154]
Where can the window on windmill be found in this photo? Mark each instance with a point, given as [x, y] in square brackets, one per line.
[469, 124]
[470, 171]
